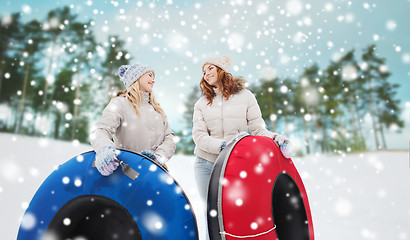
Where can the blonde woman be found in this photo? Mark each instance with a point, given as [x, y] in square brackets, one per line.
[132, 121]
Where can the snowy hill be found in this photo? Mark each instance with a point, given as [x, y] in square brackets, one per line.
[358, 196]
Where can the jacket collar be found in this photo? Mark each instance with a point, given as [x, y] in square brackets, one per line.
[239, 86]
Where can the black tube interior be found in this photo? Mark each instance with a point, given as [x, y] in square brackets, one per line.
[288, 210]
[93, 217]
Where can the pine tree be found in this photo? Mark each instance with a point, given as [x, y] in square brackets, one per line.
[83, 45]
[11, 86]
[57, 22]
[387, 107]
[186, 144]
[64, 95]
[270, 100]
[10, 28]
[31, 42]
[300, 112]
[352, 85]
[36, 101]
[380, 95]
[308, 102]
[116, 56]
[332, 102]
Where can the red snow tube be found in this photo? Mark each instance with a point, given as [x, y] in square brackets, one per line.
[256, 193]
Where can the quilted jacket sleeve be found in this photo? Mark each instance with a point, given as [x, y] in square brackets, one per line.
[201, 136]
[168, 146]
[256, 124]
[105, 128]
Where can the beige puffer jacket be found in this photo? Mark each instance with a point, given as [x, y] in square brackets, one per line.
[120, 127]
[224, 119]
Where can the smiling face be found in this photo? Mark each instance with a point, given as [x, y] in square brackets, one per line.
[147, 82]
[211, 75]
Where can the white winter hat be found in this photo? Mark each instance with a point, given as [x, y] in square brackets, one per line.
[131, 73]
[223, 62]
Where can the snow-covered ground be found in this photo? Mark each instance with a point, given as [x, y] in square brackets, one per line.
[358, 196]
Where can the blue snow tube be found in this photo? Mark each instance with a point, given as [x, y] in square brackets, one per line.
[77, 202]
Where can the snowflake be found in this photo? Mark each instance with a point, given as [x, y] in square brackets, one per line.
[343, 207]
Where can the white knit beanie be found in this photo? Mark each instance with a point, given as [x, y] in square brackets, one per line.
[223, 62]
[131, 73]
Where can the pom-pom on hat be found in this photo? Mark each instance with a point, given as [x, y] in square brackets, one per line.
[223, 62]
[131, 73]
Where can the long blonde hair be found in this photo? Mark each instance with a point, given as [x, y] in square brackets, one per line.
[135, 96]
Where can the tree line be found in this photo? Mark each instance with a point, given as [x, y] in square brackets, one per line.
[54, 75]
[329, 109]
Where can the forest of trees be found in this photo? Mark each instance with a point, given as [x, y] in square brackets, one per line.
[48, 70]
[326, 107]
[57, 104]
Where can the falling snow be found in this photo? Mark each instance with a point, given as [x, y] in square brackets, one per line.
[349, 72]
[343, 207]
[352, 192]
[349, 195]
[266, 39]
[28, 221]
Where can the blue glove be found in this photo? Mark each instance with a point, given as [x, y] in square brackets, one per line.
[223, 146]
[104, 160]
[286, 150]
[156, 158]
[236, 138]
[284, 144]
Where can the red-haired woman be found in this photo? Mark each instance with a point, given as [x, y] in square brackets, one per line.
[226, 110]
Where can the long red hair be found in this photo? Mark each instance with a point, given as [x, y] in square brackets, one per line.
[225, 80]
